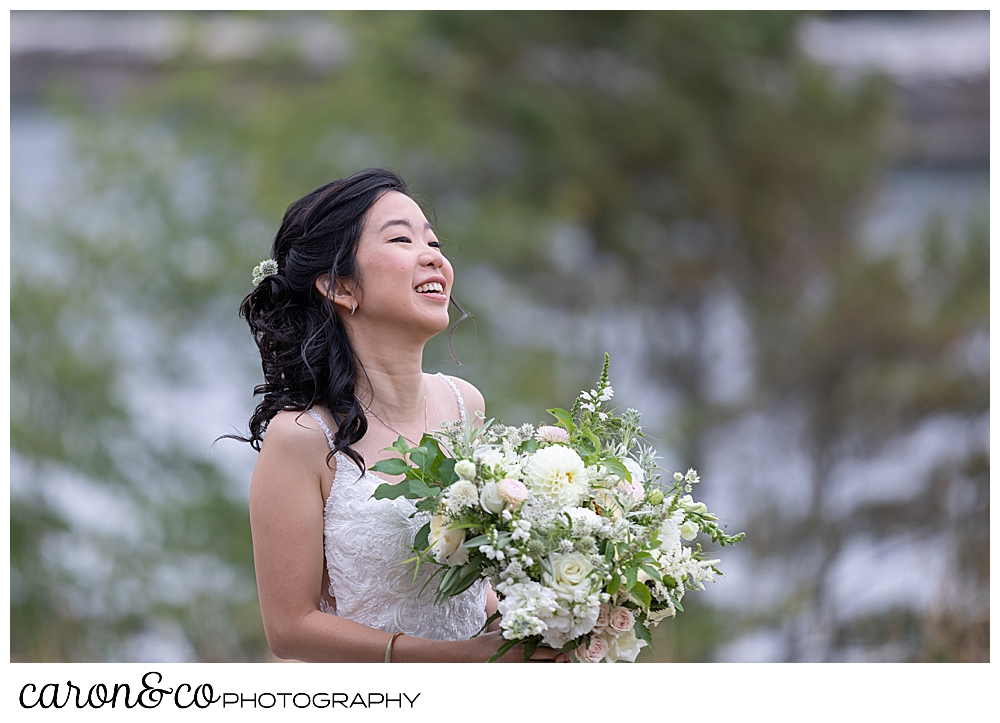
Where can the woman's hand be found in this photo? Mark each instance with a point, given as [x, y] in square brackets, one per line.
[486, 645]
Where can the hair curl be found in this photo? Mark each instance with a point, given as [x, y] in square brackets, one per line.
[305, 352]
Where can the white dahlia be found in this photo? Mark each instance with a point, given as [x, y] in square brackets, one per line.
[558, 473]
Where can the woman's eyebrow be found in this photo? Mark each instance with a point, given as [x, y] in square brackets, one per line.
[403, 222]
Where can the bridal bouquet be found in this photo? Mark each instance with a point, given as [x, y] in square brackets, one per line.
[581, 540]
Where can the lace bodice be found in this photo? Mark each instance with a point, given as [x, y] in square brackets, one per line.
[366, 542]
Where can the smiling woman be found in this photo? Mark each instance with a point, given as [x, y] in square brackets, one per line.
[356, 288]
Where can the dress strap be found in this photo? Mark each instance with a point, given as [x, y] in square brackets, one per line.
[458, 396]
[322, 424]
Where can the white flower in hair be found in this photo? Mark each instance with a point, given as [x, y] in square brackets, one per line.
[267, 267]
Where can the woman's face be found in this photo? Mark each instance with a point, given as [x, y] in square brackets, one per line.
[404, 274]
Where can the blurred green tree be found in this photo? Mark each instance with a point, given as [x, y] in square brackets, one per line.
[674, 153]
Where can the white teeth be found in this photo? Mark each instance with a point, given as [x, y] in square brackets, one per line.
[430, 286]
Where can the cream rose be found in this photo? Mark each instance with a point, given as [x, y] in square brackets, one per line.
[490, 498]
[570, 572]
[593, 653]
[621, 620]
[447, 544]
[603, 618]
[624, 647]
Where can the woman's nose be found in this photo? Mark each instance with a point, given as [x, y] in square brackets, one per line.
[433, 257]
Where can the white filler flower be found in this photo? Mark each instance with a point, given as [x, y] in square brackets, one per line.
[558, 473]
[463, 494]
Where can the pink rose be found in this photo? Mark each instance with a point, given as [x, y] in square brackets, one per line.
[593, 653]
[621, 620]
[603, 618]
[512, 492]
[552, 435]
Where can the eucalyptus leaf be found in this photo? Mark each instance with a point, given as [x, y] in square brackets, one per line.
[386, 491]
[392, 466]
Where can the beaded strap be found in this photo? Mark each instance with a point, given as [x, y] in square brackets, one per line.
[458, 396]
[322, 424]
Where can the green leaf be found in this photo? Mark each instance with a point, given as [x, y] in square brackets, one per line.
[631, 575]
[467, 580]
[447, 471]
[593, 438]
[476, 541]
[529, 648]
[386, 491]
[400, 446]
[486, 625]
[391, 466]
[419, 489]
[503, 649]
[617, 468]
[427, 504]
[447, 580]
[570, 646]
[420, 539]
[565, 420]
[652, 572]
[418, 456]
[529, 445]
[615, 583]
[642, 632]
[641, 593]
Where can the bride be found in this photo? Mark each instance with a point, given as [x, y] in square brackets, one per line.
[356, 286]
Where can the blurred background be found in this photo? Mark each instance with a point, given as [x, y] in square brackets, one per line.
[776, 223]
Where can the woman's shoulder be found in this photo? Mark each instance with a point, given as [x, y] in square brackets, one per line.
[296, 431]
[472, 397]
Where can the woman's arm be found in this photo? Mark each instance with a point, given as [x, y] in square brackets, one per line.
[286, 519]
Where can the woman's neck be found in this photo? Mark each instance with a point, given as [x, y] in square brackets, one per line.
[395, 375]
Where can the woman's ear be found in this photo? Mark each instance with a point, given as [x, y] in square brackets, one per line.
[341, 291]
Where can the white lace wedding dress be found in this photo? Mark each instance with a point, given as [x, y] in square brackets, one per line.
[366, 541]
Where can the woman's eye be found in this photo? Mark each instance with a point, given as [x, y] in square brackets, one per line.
[435, 244]
[401, 239]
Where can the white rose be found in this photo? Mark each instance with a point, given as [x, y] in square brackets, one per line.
[466, 469]
[447, 544]
[490, 498]
[689, 530]
[623, 647]
[570, 572]
[488, 456]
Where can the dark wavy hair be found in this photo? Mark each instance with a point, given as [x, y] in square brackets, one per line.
[304, 348]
